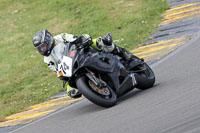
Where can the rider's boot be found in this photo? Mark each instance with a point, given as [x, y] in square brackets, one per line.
[126, 55]
[72, 92]
[123, 53]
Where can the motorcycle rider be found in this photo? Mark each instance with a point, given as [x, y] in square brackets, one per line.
[52, 49]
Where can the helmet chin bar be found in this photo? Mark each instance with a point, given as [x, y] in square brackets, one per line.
[48, 53]
[48, 50]
[43, 47]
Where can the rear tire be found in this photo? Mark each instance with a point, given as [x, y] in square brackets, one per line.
[86, 90]
[145, 79]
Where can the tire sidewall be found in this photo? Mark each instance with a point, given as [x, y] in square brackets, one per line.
[146, 82]
[82, 85]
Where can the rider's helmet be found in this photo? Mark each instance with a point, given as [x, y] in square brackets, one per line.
[44, 42]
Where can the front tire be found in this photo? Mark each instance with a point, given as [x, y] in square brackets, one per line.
[84, 87]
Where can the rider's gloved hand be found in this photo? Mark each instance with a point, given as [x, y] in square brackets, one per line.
[83, 41]
[86, 40]
[52, 66]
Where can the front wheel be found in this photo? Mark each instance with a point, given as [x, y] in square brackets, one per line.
[104, 97]
[145, 78]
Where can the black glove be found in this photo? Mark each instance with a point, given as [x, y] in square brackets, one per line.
[83, 41]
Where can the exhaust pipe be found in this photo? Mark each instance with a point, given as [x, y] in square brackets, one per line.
[128, 84]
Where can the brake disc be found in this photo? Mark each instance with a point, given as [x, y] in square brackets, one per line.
[103, 91]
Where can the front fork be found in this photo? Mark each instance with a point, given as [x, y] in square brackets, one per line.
[97, 81]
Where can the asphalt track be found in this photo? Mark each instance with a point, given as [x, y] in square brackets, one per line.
[171, 106]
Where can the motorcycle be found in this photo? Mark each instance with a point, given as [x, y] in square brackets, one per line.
[103, 77]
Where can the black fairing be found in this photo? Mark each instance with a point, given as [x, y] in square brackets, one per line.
[104, 63]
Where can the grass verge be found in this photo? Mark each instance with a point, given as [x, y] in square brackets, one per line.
[24, 78]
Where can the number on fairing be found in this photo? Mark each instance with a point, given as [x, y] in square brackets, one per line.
[66, 66]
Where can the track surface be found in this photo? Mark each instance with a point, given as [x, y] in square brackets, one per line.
[171, 106]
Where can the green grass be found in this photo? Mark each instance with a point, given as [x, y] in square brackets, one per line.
[24, 78]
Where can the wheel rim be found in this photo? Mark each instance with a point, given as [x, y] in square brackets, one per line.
[103, 91]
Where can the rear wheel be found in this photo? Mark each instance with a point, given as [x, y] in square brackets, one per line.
[146, 78]
[104, 97]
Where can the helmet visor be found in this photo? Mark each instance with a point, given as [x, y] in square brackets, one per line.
[43, 48]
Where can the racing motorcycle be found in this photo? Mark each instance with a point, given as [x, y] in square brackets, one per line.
[103, 77]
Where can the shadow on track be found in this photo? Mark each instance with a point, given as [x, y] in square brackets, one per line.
[89, 107]
[135, 92]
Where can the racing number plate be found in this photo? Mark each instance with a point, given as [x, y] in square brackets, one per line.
[66, 66]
